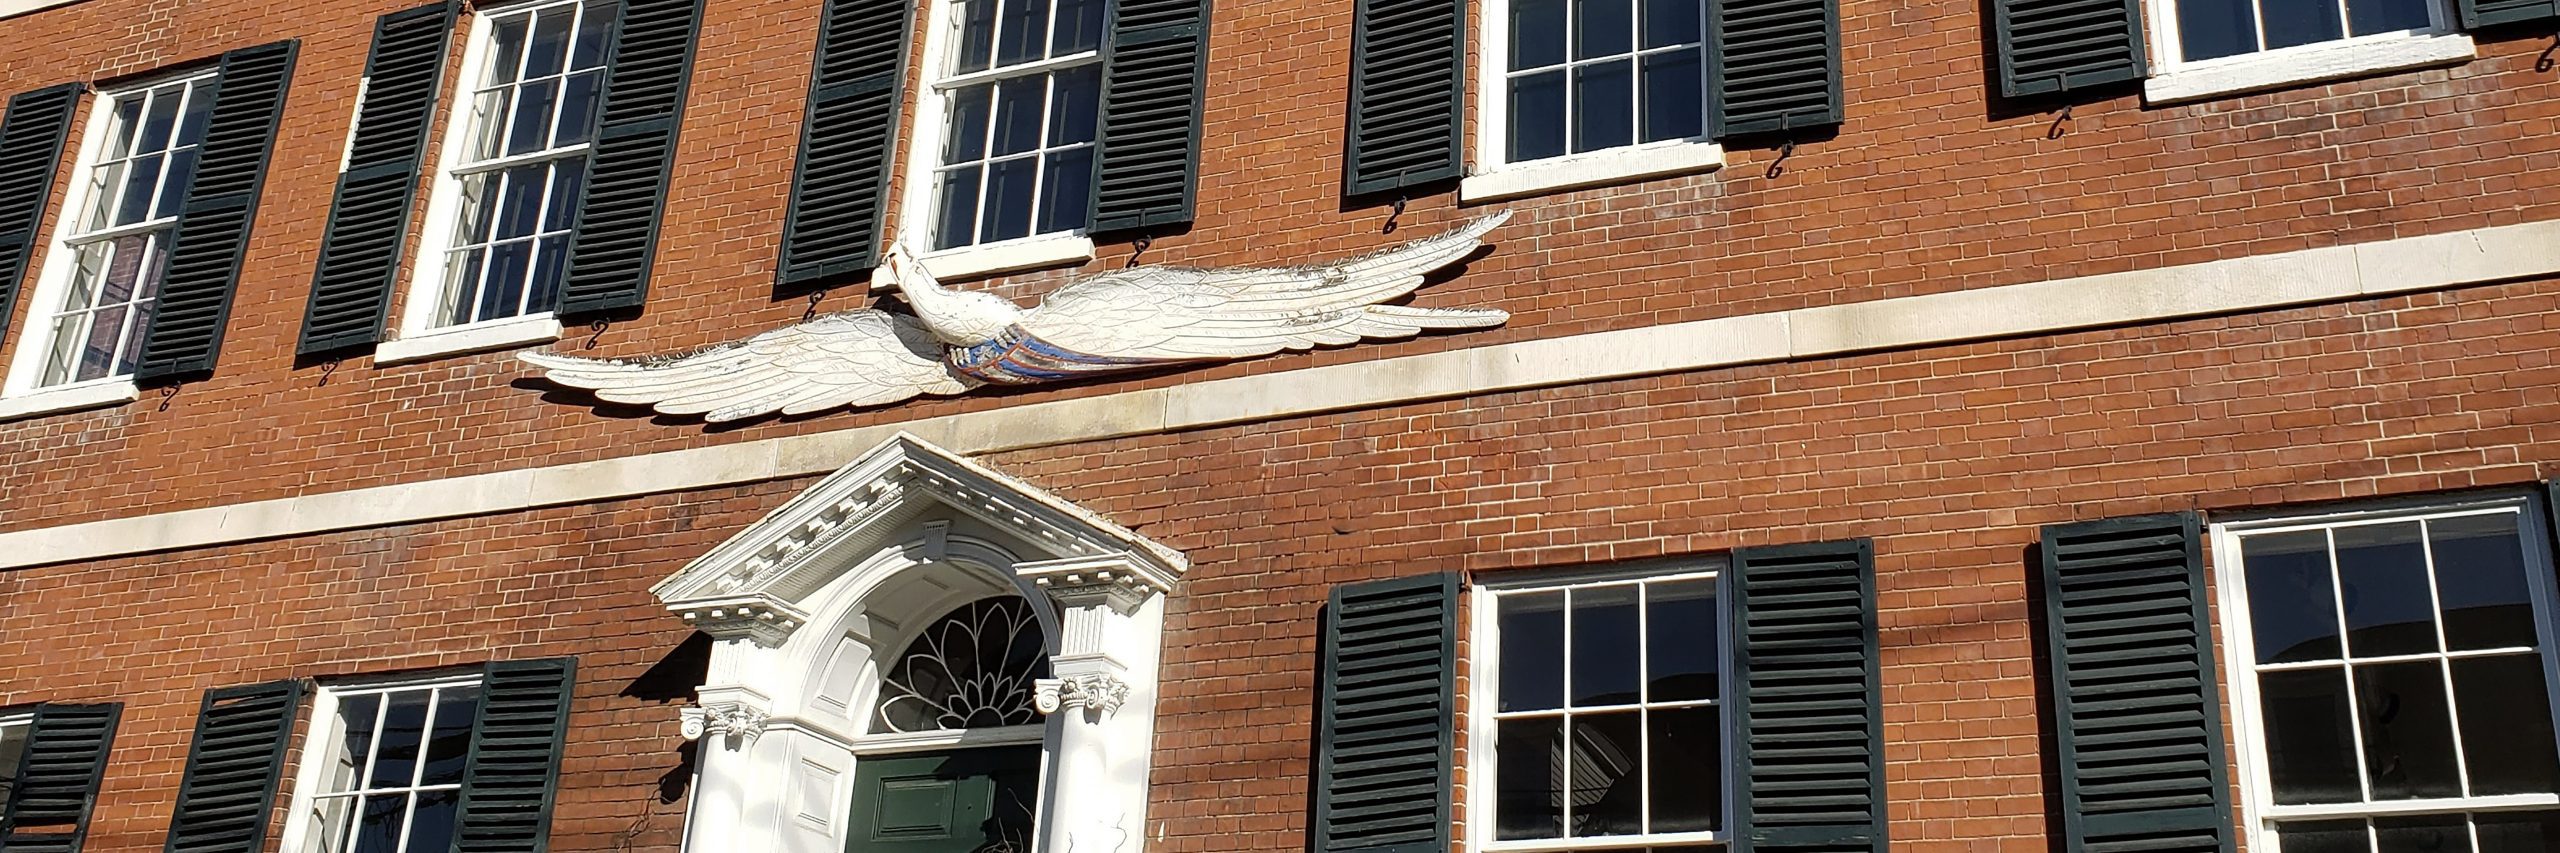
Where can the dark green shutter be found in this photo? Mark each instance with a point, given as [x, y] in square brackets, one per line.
[230, 787]
[1810, 750]
[369, 219]
[2051, 46]
[58, 778]
[31, 137]
[652, 62]
[2490, 13]
[203, 266]
[1149, 158]
[848, 142]
[2138, 726]
[1773, 66]
[515, 757]
[1387, 716]
[1408, 84]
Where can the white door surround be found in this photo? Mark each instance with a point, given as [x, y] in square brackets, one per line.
[809, 605]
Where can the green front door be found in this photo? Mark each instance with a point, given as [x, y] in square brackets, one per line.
[968, 801]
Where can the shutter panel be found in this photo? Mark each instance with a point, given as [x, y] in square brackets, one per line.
[2138, 724]
[31, 136]
[651, 64]
[1408, 83]
[213, 225]
[369, 219]
[848, 142]
[1387, 717]
[2489, 13]
[230, 786]
[1811, 757]
[58, 777]
[515, 757]
[2051, 46]
[1149, 157]
[1773, 66]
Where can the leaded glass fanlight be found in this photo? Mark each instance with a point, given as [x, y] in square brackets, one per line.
[972, 668]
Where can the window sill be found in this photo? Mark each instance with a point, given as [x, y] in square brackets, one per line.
[459, 340]
[12, 8]
[1028, 253]
[97, 394]
[2305, 65]
[1597, 168]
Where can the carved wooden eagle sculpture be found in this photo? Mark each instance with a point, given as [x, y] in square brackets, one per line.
[1118, 321]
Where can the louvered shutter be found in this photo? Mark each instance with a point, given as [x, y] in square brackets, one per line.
[58, 777]
[369, 219]
[1408, 83]
[515, 757]
[203, 265]
[1773, 66]
[2137, 719]
[848, 142]
[635, 146]
[230, 786]
[2491, 13]
[1149, 159]
[31, 137]
[1810, 757]
[1386, 717]
[2051, 46]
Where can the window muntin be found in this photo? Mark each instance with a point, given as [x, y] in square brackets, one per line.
[135, 175]
[522, 159]
[2395, 670]
[1604, 703]
[1022, 92]
[1588, 75]
[2200, 30]
[393, 760]
[972, 668]
[13, 749]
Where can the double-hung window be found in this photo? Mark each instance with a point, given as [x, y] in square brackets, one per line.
[2393, 679]
[1599, 713]
[2213, 29]
[1019, 92]
[384, 773]
[2215, 47]
[1581, 92]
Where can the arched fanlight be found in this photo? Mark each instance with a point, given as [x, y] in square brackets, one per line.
[972, 668]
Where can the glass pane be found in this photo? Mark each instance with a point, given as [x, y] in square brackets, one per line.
[104, 191]
[578, 109]
[593, 25]
[2310, 742]
[1604, 665]
[2323, 836]
[2367, 17]
[471, 224]
[1079, 27]
[327, 832]
[86, 276]
[1603, 28]
[1023, 31]
[2506, 725]
[129, 356]
[488, 123]
[503, 293]
[431, 826]
[450, 744]
[1529, 782]
[98, 352]
[531, 130]
[13, 744]
[1674, 96]
[2444, 833]
[159, 120]
[1686, 758]
[1680, 641]
[462, 285]
[2408, 731]
[550, 262]
[549, 49]
[2293, 613]
[2210, 29]
[977, 36]
[1537, 116]
[972, 668]
[63, 359]
[355, 742]
[519, 204]
[1537, 33]
[1075, 105]
[1008, 210]
[1018, 105]
[141, 180]
[173, 185]
[506, 49]
[1608, 753]
[123, 125]
[567, 177]
[967, 140]
[1604, 105]
[1066, 194]
[404, 730]
[2481, 578]
[199, 107]
[129, 256]
[378, 824]
[2299, 22]
[2518, 832]
[2382, 577]
[957, 201]
[1670, 22]
[1532, 677]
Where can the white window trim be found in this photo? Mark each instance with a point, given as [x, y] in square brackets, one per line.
[2259, 811]
[1484, 667]
[503, 333]
[9, 8]
[93, 394]
[1491, 176]
[2173, 81]
[316, 747]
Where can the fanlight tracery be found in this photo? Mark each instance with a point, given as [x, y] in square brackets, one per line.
[972, 668]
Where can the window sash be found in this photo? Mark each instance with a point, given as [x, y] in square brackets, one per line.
[104, 203]
[327, 750]
[2170, 43]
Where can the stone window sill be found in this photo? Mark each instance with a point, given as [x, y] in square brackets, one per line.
[10, 8]
[1597, 168]
[477, 337]
[2278, 69]
[97, 394]
[981, 261]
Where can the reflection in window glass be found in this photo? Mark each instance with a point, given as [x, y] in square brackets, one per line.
[138, 176]
[1023, 96]
[393, 774]
[13, 746]
[2212, 29]
[1587, 75]
[530, 117]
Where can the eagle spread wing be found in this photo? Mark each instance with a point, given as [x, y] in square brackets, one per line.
[854, 358]
[1173, 314]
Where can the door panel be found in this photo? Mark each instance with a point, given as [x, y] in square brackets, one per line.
[967, 801]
